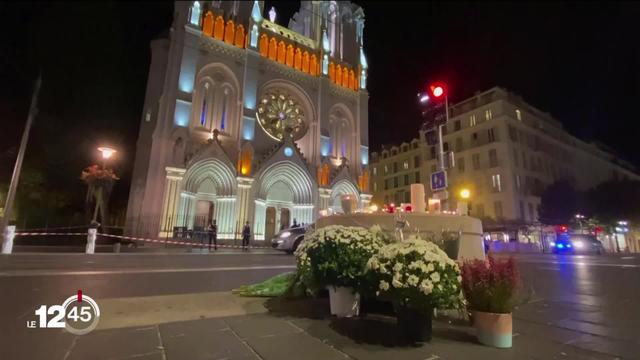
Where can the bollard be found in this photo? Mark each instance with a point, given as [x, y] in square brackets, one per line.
[91, 240]
[7, 243]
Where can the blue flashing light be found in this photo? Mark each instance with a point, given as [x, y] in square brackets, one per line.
[560, 246]
[568, 245]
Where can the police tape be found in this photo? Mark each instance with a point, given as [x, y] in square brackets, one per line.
[133, 238]
[184, 243]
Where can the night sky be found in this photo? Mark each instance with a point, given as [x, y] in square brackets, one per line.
[579, 62]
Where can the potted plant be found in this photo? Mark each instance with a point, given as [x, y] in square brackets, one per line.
[335, 258]
[490, 288]
[417, 276]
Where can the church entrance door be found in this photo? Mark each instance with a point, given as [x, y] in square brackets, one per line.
[270, 223]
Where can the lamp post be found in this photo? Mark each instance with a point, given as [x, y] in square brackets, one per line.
[463, 204]
[107, 153]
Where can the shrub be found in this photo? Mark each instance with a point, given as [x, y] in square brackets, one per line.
[491, 285]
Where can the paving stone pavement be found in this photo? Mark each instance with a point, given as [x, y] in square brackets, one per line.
[302, 329]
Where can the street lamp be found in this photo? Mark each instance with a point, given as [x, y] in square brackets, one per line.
[463, 204]
[107, 153]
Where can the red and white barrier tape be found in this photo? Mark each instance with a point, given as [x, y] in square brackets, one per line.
[158, 241]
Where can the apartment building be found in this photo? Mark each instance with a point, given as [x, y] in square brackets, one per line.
[506, 152]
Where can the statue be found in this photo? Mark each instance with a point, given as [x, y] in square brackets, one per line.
[100, 182]
[401, 222]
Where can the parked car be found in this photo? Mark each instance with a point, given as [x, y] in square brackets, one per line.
[577, 244]
[288, 240]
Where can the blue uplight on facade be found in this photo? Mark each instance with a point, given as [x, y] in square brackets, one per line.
[182, 112]
[288, 151]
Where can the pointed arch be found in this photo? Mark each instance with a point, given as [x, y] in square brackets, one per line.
[264, 45]
[313, 65]
[345, 77]
[291, 174]
[305, 62]
[282, 52]
[229, 32]
[338, 78]
[218, 28]
[207, 26]
[297, 59]
[273, 49]
[213, 170]
[289, 59]
[344, 187]
[240, 37]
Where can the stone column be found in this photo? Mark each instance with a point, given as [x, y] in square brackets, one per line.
[365, 200]
[325, 198]
[243, 203]
[171, 200]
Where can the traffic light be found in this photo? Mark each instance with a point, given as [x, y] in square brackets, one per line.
[437, 91]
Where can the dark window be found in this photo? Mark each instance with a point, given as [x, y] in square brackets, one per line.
[475, 158]
[386, 184]
[513, 134]
[493, 158]
[417, 177]
[456, 125]
[459, 144]
[407, 197]
[445, 146]
[432, 151]
[416, 161]
[461, 165]
[474, 136]
[406, 179]
[491, 134]
[395, 182]
[395, 167]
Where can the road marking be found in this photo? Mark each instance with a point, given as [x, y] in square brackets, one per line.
[14, 273]
[628, 257]
[580, 263]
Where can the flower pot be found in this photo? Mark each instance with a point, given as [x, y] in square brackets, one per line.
[493, 329]
[415, 325]
[344, 301]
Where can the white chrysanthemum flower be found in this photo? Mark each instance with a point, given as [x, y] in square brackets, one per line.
[435, 277]
[398, 267]
[397, 284]
[384, 286]
[413, 280]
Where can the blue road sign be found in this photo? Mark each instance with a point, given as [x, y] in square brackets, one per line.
[439, 180]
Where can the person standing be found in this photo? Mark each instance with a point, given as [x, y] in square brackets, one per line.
[246, 235]
[212, 231]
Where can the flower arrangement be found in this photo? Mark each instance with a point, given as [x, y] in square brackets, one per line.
[416, 274]
[491, 285]
[94, 175]
[336, 256]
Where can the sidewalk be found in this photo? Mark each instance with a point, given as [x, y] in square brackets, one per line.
[270, 329]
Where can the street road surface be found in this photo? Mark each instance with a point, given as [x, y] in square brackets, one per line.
[587, 302]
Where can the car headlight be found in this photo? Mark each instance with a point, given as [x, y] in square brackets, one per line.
[578, 244]
[551, 243]
[285, 234]
[280, 241]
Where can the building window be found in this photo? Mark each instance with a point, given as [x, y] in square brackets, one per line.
[474, 137]
[472, 121]
[445, 146]
[406, 179]
[386, 184]
[432, 152]
[395, 182]
[513, 134]
[496, 184]
[479, 210]
[375, 186]
[459, 144]
[461, 165]
[386, 199]
[522, 210]
[444, 130]
[518, 181]
[475, 159]
[493, 158]
[488, 115]
[386, 169]
[407, 197]
[531, 214]
[417, 177]
[497, 208]
[416, 161]
[457, 126]
[524, 160]
[375, 171]
[395, 167]
[405, 165]
[433, 168]
[491, 134]
[518, 115]
[515, 157]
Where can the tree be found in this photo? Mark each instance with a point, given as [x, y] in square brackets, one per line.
[612, 201]
[560, 202]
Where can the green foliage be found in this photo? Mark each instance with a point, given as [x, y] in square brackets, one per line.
[276, 286]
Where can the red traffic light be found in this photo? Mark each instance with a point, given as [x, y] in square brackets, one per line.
[437, 90]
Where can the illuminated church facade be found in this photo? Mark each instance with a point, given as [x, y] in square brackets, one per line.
[246, 120]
